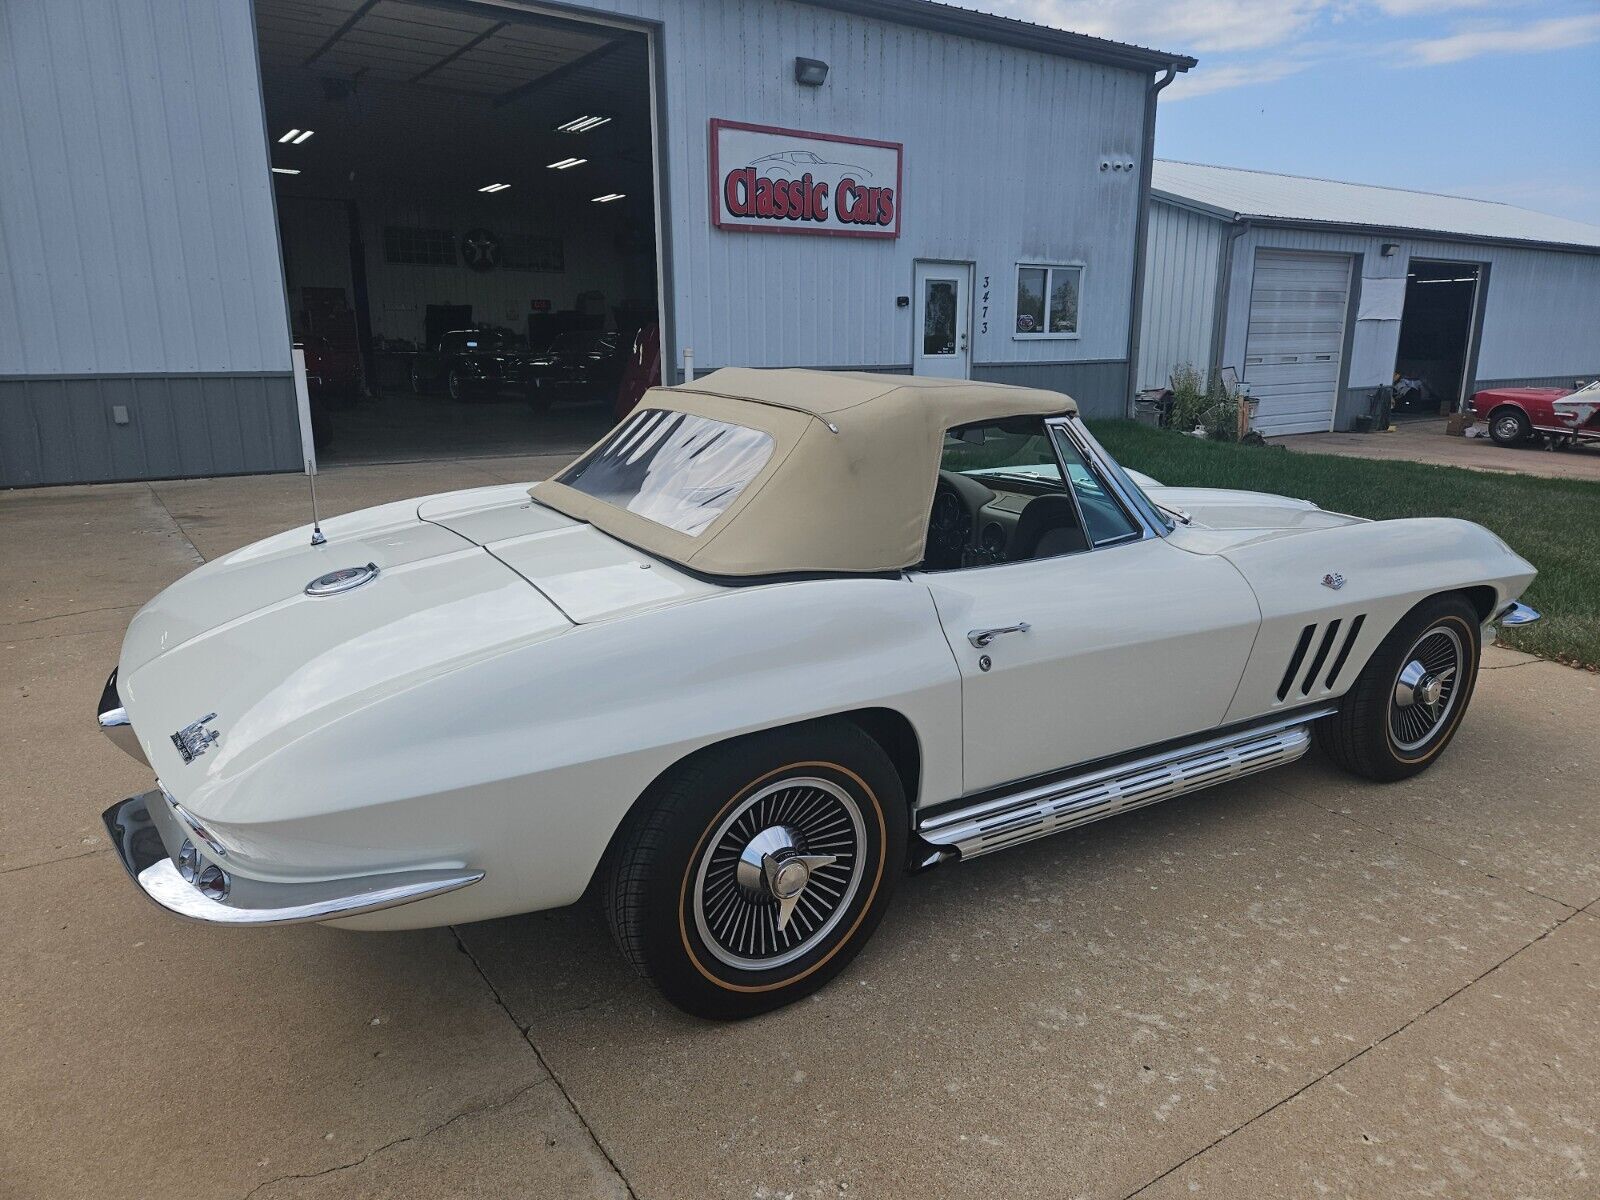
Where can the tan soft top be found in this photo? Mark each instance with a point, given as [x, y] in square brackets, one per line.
[850, 481]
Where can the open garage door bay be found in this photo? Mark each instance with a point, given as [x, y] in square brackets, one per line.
[1296, 339]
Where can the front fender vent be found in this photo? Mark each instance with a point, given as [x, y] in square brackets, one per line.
[1295, 659]
[1330, 635]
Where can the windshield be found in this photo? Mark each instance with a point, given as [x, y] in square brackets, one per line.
[1153, 513]
[678, 470]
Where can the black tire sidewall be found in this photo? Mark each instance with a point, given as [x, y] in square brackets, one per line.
[1524, 429]
[1371, 734]
[677, 959]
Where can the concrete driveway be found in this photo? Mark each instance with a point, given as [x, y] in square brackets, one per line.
[1423, 439]
[1300, 985]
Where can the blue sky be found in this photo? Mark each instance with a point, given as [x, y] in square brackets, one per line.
[1498, 99]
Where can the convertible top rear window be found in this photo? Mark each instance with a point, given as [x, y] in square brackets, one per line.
[676, 469]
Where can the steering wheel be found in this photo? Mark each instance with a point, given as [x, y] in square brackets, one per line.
[949, 528]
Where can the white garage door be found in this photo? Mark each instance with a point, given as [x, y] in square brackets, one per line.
[1296, 337]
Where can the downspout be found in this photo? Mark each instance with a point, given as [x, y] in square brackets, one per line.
[1136, 305]
[1219, 303]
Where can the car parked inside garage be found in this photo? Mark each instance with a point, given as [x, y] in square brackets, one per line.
[469, 362]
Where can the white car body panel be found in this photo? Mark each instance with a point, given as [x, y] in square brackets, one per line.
[1108, 663]
[511, 683]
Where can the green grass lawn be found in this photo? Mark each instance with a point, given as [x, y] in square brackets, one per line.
[1553, 523]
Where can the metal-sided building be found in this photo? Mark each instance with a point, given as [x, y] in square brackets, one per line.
[192, 186]
[1318, 292]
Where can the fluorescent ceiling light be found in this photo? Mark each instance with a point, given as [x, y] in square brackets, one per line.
[303, 136]
[583, 124]
[494, 187]
[565, 163]
[289, 137]
[609, 197]
[285, 171]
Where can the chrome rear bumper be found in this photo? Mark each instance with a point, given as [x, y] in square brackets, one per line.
[142, 828]
[114, 723]
[1516, 614]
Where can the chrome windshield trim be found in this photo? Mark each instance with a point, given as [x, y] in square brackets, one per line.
[1110, 475]
[141, 828]
[114, 723]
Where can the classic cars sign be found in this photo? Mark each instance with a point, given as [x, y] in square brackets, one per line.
[768, 180]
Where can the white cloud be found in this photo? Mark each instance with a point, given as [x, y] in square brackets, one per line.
[1243, 43]
[1184, 25]
[1556, 33]
[1231, 75]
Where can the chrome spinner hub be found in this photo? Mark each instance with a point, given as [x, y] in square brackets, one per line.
[772, 865]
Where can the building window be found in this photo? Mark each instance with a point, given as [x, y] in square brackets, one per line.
[525, 252]
[1047, 300]
[430, 247]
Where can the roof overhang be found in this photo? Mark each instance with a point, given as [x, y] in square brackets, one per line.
[1008, 31]
[1357, 229]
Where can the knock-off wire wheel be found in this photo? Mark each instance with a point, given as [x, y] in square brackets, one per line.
[778, 873]
[752, 872]
[1425, 689]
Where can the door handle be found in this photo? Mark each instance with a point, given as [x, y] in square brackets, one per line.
[982, 637]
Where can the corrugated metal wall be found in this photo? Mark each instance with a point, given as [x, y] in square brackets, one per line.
[135, 203]
[138, 259]
[1182, 258]
[1541, 317]
[138, 240]
[1002, 151]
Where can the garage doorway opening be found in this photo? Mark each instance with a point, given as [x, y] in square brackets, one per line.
[1436, 334]
[466, 200]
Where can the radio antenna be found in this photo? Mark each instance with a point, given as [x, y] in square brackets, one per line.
[317, 536]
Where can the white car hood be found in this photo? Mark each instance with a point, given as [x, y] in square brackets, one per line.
[1221, 520]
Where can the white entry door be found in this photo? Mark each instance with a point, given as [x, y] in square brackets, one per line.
[1296, 339]
[943, 292]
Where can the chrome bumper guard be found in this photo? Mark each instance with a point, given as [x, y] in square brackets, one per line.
[114, 721]
[1516, 614]
[143, 827]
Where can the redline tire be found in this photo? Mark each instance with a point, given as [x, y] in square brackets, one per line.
[668, 892]
[1370, 735]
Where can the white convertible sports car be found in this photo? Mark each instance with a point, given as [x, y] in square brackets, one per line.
[777, 637]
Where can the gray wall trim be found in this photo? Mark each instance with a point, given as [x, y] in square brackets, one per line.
[62, 430]
[1141, 229]
[1100, 387]
[1352, 305]
[1560, 381]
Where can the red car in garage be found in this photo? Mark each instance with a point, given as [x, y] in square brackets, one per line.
[1517, 414]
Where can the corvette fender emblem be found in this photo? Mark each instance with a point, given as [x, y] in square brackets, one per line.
[1333, 580]
[194, 740]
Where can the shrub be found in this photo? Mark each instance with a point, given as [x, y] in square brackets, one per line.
[1195, 404]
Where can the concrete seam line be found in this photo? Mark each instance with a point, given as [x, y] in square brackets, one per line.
[176, 524]
[544, 1063]
[79, 612]
[45, 862]
[400, 1141]
[1277, 1104]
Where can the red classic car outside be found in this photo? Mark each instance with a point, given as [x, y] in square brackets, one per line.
[1517, 414]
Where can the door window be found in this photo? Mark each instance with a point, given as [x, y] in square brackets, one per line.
[939, 317]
